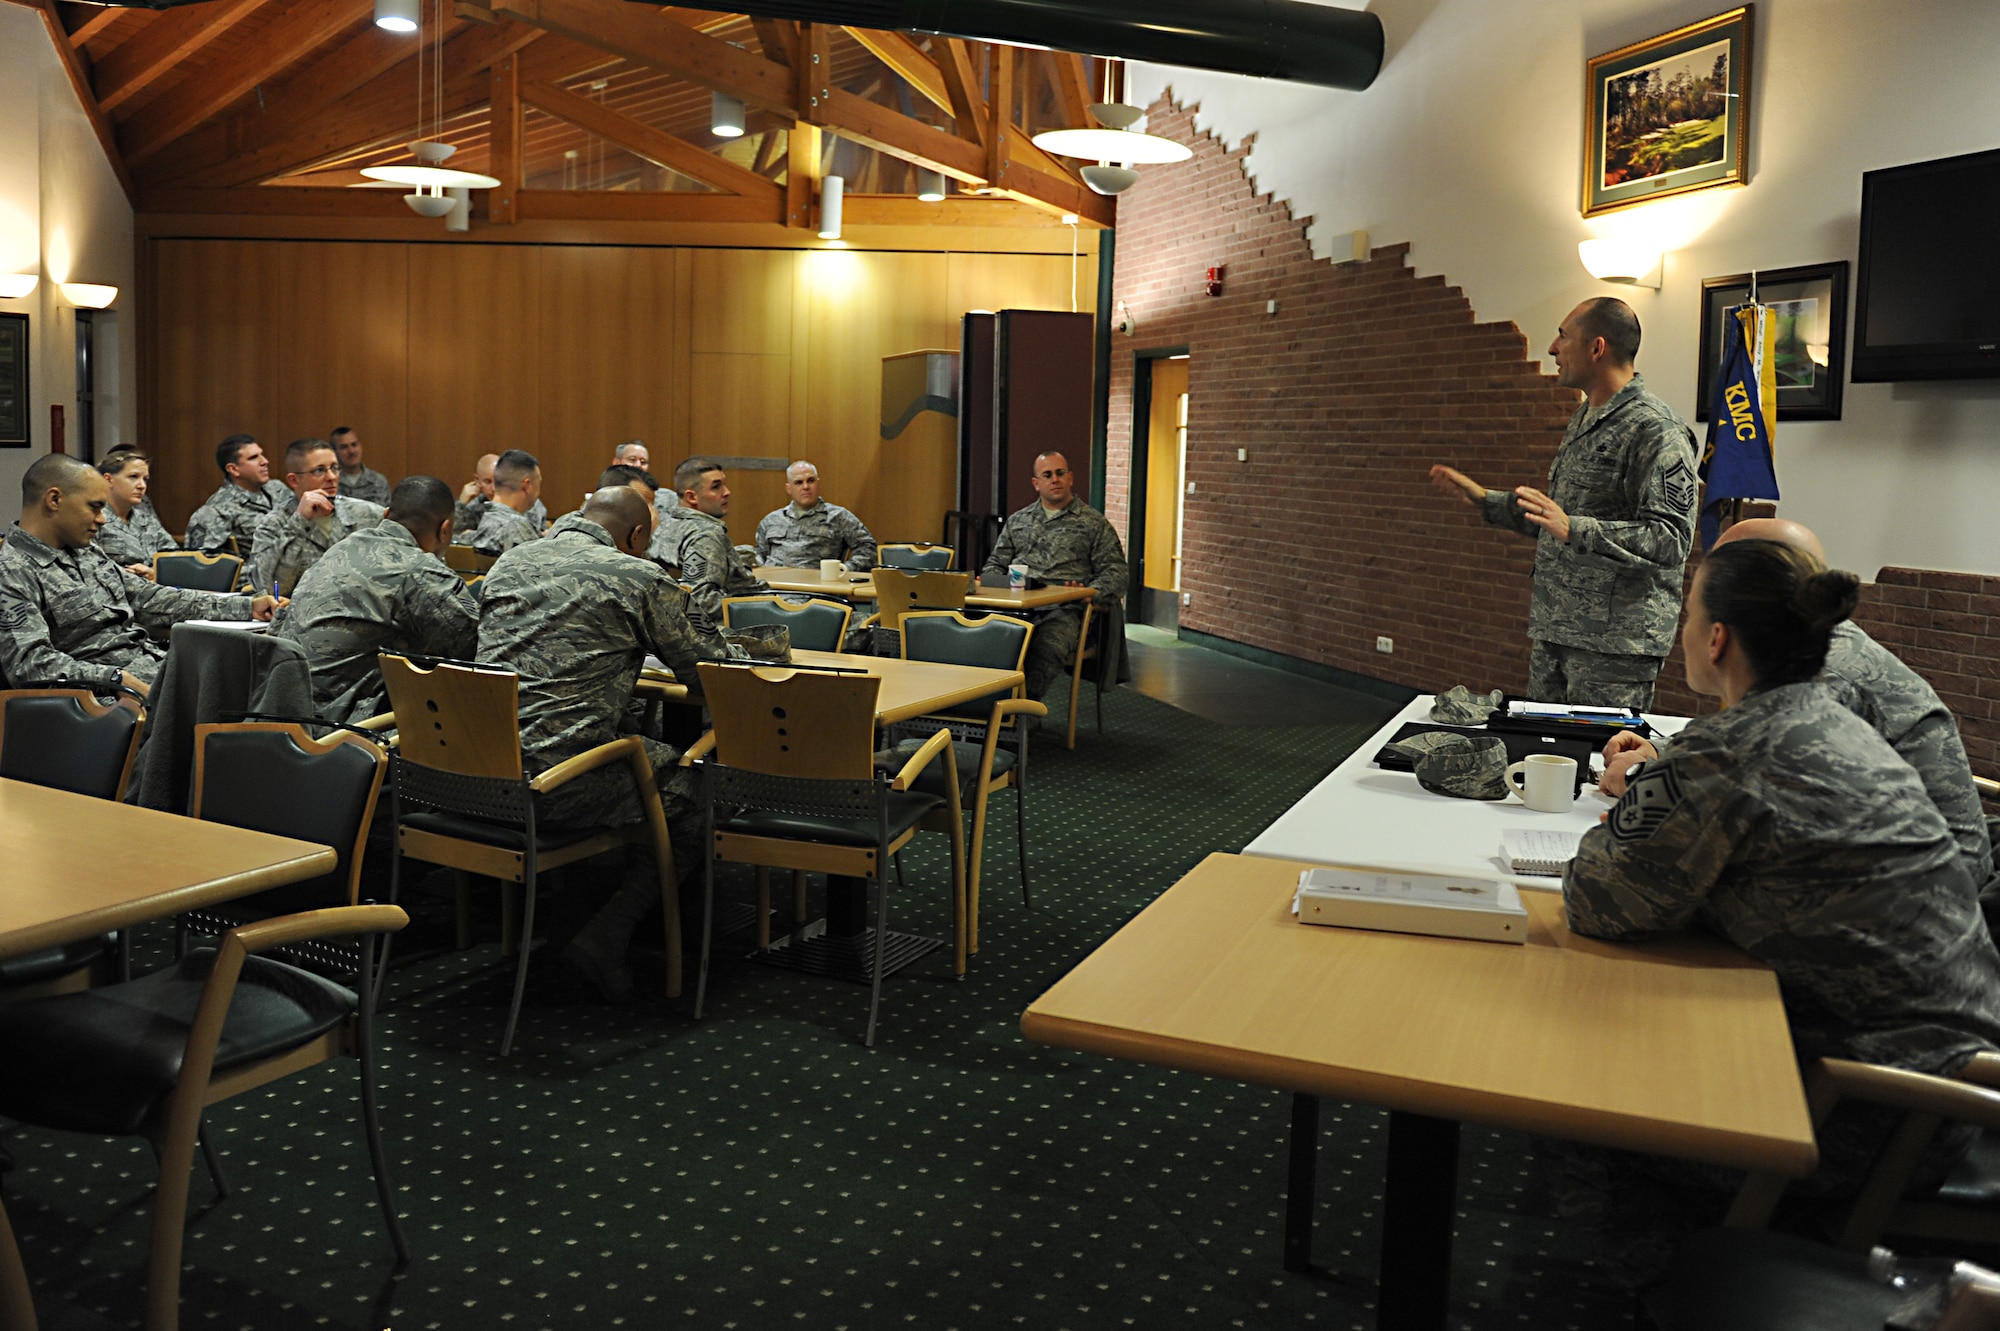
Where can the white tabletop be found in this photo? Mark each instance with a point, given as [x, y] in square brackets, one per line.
[1363, 815]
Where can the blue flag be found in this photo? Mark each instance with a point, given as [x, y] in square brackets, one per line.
[1737, 461]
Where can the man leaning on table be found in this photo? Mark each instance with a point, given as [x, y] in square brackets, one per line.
[68, 613]
[1062, 540]
[810, 529]
[694, 544]
[1888, 695]
[576, 613]
[1614, 528]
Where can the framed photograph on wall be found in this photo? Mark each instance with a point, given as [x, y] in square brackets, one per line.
[1668, 115]
[13, 381]
[1810, 305]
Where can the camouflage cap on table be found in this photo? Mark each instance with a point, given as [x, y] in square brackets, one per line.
[760, 642]
[1472, 767]
[1460, 706]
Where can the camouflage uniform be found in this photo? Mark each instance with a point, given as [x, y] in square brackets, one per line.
[1074, 544]
[577, 618]
[466, 513]
[698, 545]
[76, 617]
[286, 545]
[376, 592]
[794, 537]
[365, 482]
[234, 511]
[1607, 602]
[500, 529]
[137, 539]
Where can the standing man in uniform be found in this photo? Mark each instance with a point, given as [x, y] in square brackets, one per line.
[247, 494]
[357, 480]
[291, 538]
[1614, 528]
[576, 614]
[384, 589]
[1061, 539]
[810, 529]
[695, 541]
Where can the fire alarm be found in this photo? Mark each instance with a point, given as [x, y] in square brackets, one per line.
[1215, 280]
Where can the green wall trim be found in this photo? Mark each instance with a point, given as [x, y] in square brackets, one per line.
[1326, 674]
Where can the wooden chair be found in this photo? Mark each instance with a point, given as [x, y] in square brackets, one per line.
[916, 556]
[898, 590]
[792, 785]
[1087, 649]
[815, 625]
[68, 740]
[193, 569]
[146, 1057]
[462, 798]
[997, 642]
[464, 560]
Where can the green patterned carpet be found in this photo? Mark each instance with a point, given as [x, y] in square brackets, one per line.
[762, 1169]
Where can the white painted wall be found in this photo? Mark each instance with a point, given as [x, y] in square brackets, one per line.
[1469, 146]
[64, 215]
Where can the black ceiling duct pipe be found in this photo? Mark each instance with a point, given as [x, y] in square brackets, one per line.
[1272, 39]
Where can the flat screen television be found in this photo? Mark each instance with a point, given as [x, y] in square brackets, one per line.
[1927, 304]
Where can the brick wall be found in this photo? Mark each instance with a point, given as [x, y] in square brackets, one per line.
[1330, 534]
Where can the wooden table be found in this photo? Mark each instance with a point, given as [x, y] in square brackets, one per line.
[77, 866]
[1678, 1047]
[1362, 814]
[861, 587]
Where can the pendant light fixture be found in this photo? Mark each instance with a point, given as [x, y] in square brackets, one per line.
[397, 15]
[930, 185]
[430, 177]
[831, 189]
[725, 116]
[1115, 146]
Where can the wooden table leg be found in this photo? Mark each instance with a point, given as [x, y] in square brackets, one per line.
[1418, 1200]
[17, 1306]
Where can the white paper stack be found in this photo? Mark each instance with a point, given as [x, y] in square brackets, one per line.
[1486, 909]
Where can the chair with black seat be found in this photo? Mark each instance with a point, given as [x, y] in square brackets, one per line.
[463, 798]
[997, 642]
[815, 625]
[792, 785]
[900, 590]
[915, 555]
[195, 570]
[146, 1057]
[68, 740]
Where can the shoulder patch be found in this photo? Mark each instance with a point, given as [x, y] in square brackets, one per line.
[1678, 482]
[1647, 803]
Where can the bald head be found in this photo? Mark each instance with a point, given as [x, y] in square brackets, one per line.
[1782, 530]
[624, 514]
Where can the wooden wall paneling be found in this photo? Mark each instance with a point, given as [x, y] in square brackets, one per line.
[742, 302]
[742, 407]
[680, 366]
[216, 364]
[475, 334]
[343, 349]
[605, 361]
[865, 306]
[1018, 282]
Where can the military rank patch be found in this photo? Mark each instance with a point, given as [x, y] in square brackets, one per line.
[1651, 798]
[1679, 484]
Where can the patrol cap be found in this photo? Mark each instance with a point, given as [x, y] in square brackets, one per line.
[1472, 767]
[1460, 706]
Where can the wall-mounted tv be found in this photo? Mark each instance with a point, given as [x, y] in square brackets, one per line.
[1927, 303]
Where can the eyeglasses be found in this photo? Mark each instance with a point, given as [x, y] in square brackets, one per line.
[1051, 475]
[330, 469]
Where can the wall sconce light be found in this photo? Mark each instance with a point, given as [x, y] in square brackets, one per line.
[725, 116]
[396, 15]
[89, 295]
[13, 286]
[1628, 262]
[830, 191]
[930, 185]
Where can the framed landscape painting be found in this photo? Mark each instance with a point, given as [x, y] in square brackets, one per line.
[1809, 305]
[1668, 115]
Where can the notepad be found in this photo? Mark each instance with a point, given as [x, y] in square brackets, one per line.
[1483, 909]
[240, 625]
[1537, 851]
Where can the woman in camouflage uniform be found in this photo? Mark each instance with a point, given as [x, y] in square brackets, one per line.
[132, 533]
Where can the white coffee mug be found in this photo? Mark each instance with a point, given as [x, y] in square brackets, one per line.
[831, 568]
[1017, 576]
[1545, 782]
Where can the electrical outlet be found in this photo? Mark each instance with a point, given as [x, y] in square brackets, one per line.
[1187, 598]
[1385, 645]
[1190, 487]
[1242, 455]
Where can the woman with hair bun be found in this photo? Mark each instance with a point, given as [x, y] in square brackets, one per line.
[1786, 824]
[131, 533]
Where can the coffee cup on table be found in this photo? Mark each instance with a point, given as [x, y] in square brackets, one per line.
[1546, 782]
[1017, 576]
[831, 568]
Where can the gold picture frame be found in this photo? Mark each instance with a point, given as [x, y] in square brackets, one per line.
[1668, 115]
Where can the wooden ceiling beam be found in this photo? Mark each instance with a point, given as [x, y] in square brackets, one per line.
[79, 80]
[94, 23]
[1072, 88]
[639, 206]
[999, 109]
[506, 143]
[779, 38]
[636, 33]
[655, 145]
[909, 62]
[296, 31]
[177, 34]
[961, 82]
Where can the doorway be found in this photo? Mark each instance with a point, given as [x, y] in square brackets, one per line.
[1159, 483]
